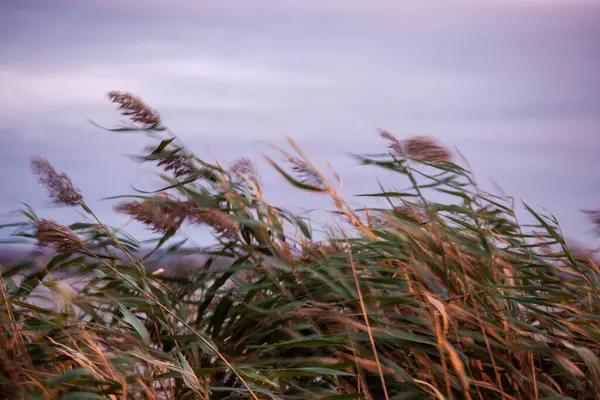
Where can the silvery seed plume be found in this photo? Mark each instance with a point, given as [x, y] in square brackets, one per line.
[59, 185]
[60, 237]
[426, 149]
[133, 107]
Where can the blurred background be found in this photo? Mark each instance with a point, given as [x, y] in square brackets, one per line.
[512, 84]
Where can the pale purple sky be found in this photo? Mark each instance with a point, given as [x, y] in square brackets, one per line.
[513, 84]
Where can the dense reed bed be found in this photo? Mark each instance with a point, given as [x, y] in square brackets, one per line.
[420, 299]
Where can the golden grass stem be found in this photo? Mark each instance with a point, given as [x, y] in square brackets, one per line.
[366, 316]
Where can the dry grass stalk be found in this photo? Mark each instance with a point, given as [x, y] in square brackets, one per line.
[133, 107]
[60, 187]
[60, 237]
[366, 317]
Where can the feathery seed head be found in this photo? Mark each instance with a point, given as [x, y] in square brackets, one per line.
[60, 237]
[426, 149]
[175, 162]
[420, 148]
[395, 145]
[245, 167]
[160, 217]
[133, 107]
[306, 173]
[59, 185]
[222, 223]
[168, 214]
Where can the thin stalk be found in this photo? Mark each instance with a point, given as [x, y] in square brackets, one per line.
[366, 317]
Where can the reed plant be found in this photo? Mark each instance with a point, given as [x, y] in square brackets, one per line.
[420, 299]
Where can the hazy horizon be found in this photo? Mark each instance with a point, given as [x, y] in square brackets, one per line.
[512, 84]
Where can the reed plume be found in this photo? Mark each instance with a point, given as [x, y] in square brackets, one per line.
[426, 149]
[305, 172]
[221, 223]
[245, 167]
[394, 144]
[60, 237]
[59, 186]
[134, 108]
[164, 214]
[155, 213]
[422, 148]
[173, 161]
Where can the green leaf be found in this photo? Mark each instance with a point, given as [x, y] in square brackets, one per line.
[556, 398]
[69, 375]
[309, 341]
[313, 371]
[81, 396]
[304, 227]
[190, 378]
[389, 194]
[220, 314]
[136, 324]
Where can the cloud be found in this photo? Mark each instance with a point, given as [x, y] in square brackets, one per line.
[35, 89]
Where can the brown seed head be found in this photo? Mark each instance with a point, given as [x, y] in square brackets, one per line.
[159, 216]
[133, 107]
[176, 162]
[306, 173]
[222, 223]
[426, 149]
[319, 250]
[59, 185]
[60, 237]
[395, 145]
[245, 167]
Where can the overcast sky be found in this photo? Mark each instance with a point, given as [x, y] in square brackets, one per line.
[513, 84]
